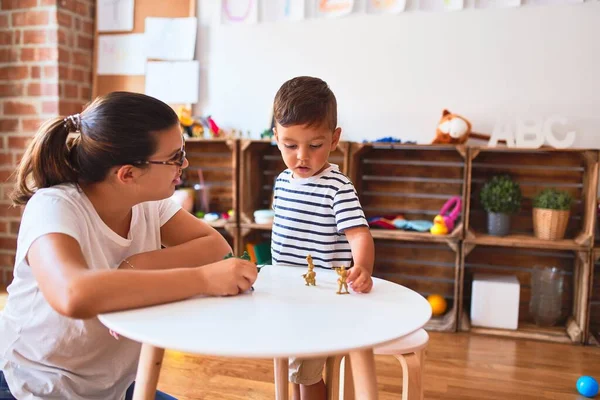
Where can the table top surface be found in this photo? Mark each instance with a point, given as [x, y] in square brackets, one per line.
[282, 317]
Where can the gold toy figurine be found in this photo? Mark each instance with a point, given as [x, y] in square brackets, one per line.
[341, 271]
[310, 276]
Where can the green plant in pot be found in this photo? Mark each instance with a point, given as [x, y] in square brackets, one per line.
[551, 211]
[500, 197]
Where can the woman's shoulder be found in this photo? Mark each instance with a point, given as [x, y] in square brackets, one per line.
[68, 193]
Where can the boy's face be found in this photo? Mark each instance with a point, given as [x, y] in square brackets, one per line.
[305, 150]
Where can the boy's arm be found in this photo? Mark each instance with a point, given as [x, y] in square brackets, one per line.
[362, 246]
[363, 253]
[351, 220]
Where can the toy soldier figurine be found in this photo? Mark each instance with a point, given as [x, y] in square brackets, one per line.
[341, 271]
[310, 276]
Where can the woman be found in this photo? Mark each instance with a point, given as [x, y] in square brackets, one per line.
[96, 190]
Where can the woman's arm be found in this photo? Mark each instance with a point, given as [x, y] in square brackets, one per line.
[190, 243]
[75, 291]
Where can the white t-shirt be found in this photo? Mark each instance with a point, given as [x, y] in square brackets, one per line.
[45, 355]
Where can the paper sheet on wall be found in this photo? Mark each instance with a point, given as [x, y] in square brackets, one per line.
[115, 15]
[497, 3]
[171, 38]
[121, 54]
[549, 2]
[174, 82]
[441, 5]
[239, 12]
[334, 8]
[385, 6]
[283, 10]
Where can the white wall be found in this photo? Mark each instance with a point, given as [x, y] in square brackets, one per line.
[394, 74]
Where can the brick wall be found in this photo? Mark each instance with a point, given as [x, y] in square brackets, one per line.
[45, 70]
[75, 51]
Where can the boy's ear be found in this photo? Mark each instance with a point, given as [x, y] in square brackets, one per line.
[336, 137]
[275, 134]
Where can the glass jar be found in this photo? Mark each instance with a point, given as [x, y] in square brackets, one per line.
[547, 288]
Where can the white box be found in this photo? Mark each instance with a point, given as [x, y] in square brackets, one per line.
[495, 301]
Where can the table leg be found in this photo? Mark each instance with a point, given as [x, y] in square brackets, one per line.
[148, 371]
[362, 363]
[281, 378]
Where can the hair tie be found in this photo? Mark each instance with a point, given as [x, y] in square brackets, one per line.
[73, 123]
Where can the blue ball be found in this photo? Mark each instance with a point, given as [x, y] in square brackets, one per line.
[587, 386]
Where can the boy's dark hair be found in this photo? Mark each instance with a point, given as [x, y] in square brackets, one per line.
[305, 100]
[117, 129]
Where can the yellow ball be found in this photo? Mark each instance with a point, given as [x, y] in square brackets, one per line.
[438, 304]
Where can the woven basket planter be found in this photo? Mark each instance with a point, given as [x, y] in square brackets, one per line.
[550, 224]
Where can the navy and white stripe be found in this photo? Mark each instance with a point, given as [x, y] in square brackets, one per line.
[311, 216]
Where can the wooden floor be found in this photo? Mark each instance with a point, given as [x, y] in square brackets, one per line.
[458, 367]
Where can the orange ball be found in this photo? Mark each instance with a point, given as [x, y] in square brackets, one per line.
[438, 304]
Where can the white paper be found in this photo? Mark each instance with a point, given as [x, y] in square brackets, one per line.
[552, 2]
[174, 82]
[497, 3]
[115, 15]
[385, 6]
[171, 38]
[283, 10]
[441, 5]
[239, 12]
[121, 54]
[334, 8]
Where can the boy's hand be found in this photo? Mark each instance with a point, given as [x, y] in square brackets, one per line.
[359, 279]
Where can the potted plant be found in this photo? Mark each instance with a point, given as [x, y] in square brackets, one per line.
[551, 210]
[500, 197]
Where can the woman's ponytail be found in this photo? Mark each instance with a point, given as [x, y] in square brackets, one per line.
[46, 161]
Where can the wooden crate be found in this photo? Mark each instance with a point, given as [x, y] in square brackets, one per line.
[218, 161]
[573, 170]
[414, 181]
[260, 163]
[520, 262]
[425, 267]
[593, 317]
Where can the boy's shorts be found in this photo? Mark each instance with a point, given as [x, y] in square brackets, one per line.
[306, 371]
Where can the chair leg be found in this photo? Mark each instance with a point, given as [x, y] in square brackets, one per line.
[332, 377]
[281, 378]
[412, 388]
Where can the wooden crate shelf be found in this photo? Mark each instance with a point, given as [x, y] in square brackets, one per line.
[264, 227]
[520, 262]
[413, 181]
[593, 317]
[218, 161]
[260, 163]
[573, 170]
[427, 268]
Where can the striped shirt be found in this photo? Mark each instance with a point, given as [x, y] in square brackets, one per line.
[311, 215]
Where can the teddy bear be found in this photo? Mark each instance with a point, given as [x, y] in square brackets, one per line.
[455, 129]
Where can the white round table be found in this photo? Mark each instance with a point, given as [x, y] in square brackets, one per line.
[281, 318]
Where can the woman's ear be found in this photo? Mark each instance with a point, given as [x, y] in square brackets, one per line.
[127, 174]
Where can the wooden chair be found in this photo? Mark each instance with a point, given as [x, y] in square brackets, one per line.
[409, 350]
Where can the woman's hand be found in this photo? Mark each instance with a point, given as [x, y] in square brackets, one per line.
[228, 277]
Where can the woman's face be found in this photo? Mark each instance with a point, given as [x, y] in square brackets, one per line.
[164, 168]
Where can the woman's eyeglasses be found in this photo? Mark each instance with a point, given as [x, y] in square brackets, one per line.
[177, 160]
